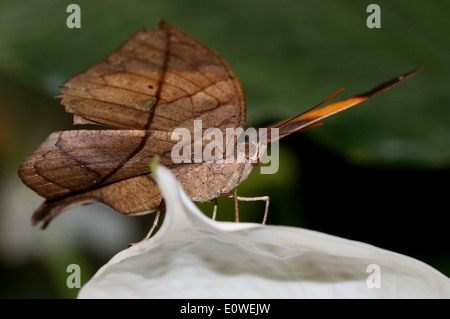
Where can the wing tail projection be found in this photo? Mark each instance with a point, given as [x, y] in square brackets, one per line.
[314, 115]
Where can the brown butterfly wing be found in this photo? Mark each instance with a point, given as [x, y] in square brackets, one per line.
[74, 161]
[161, 81]
[109, 166]
[133, 196]
[152, 84]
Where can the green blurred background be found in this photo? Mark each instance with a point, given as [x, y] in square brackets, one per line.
[378, 173]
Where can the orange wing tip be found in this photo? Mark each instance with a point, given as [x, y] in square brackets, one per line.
[307, 119]
[389, 84]
[313, 126]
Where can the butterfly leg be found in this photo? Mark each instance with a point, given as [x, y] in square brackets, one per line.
[155, 223]
[214, 210]
[233, 195]
[236, 206]
[254, 199]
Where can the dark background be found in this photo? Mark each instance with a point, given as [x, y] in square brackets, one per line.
[377, 173]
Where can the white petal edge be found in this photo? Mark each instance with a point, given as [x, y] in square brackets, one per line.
[192, 256]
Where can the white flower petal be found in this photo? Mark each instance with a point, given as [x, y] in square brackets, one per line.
[192, 256]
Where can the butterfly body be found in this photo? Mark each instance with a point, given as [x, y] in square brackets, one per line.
[207, 181]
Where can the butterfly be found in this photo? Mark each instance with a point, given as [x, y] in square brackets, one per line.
[153, 84]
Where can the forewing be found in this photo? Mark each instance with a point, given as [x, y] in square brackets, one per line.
[158, 80]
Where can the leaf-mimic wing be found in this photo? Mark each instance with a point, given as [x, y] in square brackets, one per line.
[158, 80]
[110, 166]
